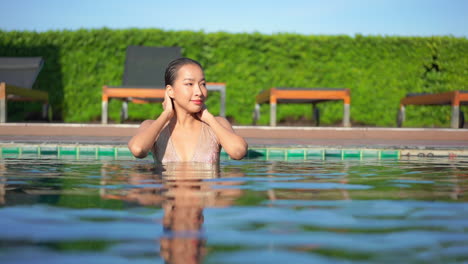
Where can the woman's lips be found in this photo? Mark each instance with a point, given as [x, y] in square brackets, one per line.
[198, 102]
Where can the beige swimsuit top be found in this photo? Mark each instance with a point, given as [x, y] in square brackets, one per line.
[207, 149]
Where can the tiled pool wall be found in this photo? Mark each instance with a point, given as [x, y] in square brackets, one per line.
[121, 152]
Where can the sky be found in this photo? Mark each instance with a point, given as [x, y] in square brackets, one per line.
[307, 17]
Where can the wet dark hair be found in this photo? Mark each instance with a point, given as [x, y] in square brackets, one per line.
[174, 66]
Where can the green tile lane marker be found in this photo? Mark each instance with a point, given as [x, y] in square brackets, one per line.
[333, 153]
[315, 153]
[106, 151]
[390, 154]
[368, 153]
[29, 150]
[351, 153]
[122, 151]
[277, 154]
[10, 150]
[295, 153]
[87, 151]
[48, 150]
[65, 150]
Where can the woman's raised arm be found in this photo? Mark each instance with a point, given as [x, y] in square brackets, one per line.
[140, 144]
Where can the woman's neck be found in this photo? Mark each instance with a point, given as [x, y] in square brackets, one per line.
[185, 120]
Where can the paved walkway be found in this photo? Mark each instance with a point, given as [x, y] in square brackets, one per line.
[256, 136]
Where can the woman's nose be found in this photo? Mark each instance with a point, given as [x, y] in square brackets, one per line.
[197, 89]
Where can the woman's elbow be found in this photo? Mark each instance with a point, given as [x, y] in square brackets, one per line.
[138, 151]
[239, 153]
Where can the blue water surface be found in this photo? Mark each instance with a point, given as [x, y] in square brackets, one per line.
[251, 211]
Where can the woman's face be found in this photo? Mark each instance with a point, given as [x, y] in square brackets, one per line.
[189, 89]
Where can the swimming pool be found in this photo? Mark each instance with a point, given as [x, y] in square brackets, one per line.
[73, 209]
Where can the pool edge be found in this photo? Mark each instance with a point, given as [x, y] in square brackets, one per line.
[119, 151]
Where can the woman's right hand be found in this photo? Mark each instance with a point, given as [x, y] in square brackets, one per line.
[167, 105]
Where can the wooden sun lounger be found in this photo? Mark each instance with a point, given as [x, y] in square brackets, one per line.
[17, 77]
[273, 96]
[453, 98]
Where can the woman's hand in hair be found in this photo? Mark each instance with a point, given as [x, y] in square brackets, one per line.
[168, 105]
[204, 115]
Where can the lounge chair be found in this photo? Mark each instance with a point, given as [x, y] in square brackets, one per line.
[453, 98]
[273, 96]
[143, 79]
[17, 77]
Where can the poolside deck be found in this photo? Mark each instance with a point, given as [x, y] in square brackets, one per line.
[258, 136]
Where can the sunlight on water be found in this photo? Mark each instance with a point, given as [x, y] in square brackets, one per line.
[252, 211]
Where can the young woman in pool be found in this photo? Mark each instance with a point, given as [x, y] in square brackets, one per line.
[186, 130]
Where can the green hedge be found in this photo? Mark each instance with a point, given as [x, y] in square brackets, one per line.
[378, 70]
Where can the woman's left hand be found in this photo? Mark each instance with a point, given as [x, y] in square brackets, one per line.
[204, 115]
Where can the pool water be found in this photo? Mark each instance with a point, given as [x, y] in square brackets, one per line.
[250, 211]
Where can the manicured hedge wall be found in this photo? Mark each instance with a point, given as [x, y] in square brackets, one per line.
[378, 70]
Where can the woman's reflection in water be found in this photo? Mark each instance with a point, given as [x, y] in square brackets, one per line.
[186, 190]
[187, 193]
